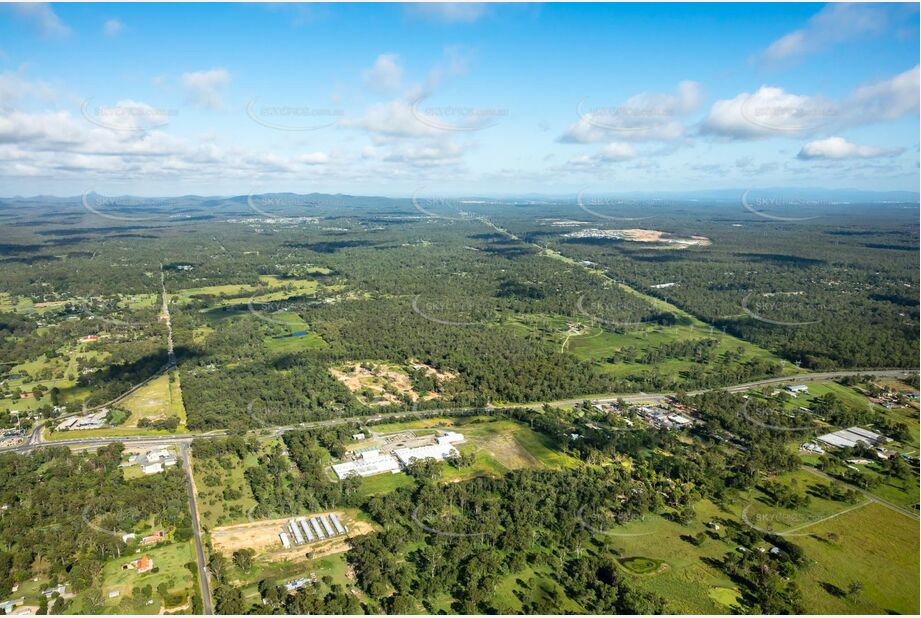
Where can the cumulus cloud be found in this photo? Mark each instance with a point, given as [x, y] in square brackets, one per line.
[59, 144]
[41, 16]
[448, 12]
[838, 148]
[835, 23]
[206, 88]
[112, 27]
[386, 75]
[771, 111]
[767, 112]
[643, 117]
[392, 119]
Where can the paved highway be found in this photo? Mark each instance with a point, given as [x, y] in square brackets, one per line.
[36, 440]
[207, 607]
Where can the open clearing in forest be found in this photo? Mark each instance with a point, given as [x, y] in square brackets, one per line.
[376, 384]
[262, 537]
[156, 400]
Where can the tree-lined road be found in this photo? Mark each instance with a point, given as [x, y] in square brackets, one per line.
[36, 440]
[207, 606]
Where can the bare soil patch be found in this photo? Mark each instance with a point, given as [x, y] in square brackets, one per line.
[376, 384]
[262, 537]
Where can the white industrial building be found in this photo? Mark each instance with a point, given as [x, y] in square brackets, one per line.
[847, 438]
[442, 449]
[316, 528]
[304, 530]
[371, 461]
[435, 451]
[368, 463]
[296, 531]
[326, 525]
[308, 533]
[339, 527]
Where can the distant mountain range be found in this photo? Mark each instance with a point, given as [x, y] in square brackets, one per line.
[722, 195]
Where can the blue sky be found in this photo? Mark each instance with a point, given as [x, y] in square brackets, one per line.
[456, 98]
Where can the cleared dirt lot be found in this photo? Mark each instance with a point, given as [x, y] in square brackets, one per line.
[378, 386]
[262, 537]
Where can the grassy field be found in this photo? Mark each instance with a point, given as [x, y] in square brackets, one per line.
[108, 432]
[872, 545]
[215, 476]
[595, 344]
[847, 394]
[176, 405]
[844, 542]
[283, 325]
[383, 483]
[169, 569]
[598, 344]
[271, 289]
[157, 399]
[528, 586]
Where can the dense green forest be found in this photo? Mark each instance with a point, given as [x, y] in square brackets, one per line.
[373, 279]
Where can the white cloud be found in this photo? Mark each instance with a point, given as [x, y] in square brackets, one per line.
[771, 111]
[113, 26]
[887, 99]
[386, 75]
[392, 119]
[767, 112]
[839, 148]
[60, 145]
[314, 158]
[835, 23]
[14, 86]
[643, 117]
[127, 115]
[616, 152]
[449, 12]
[42, 17]
[206, 88]
[429, 154]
